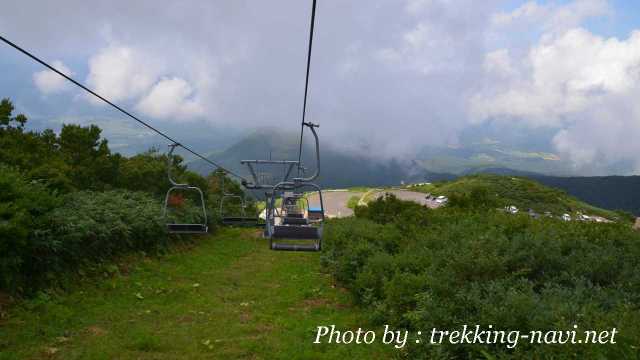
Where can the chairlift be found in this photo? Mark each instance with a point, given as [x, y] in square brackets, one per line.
[238, 219]
[290, 227]
[293, 224]
[183, 228]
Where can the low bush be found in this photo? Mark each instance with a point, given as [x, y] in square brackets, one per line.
[43, 235]
[469, 265]
[22, 203]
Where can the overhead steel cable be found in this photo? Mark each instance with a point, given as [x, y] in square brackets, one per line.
[306, 82]
[150, 127]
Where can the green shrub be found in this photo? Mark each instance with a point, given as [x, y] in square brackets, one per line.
[43, 236]
[22, 203]
[476, 265]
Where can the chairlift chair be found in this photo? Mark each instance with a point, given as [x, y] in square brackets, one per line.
[288, 228]
[297, 226]
[293, 230]
[242, 219]
[183, 228]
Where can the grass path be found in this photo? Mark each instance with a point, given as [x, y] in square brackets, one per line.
[228, 297]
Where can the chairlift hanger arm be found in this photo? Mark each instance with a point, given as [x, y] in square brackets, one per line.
[174, 183]
[306, 81]
[315, 175]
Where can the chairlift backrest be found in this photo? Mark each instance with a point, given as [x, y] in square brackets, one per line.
[183, 228]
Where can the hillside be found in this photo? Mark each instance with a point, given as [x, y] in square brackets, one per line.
[521, 192]
[607, 192]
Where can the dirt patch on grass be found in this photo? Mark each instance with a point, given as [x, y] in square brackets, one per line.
[264, 328]
[186, 319]
[342, 306]
[96, 331]
[245, 318]
[50, 352]
[315, 303]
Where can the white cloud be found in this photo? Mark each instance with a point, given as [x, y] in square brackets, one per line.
[127, 73]
[445, 37]
[499, 63]
[552, 16]
[171, 98]
[564, 75]
[585, 85]
[121, 73]
[48, 82]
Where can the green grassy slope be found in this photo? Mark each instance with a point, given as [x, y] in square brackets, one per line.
[227, 297]
[519, 191]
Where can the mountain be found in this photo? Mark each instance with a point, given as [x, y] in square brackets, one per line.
[338, 168]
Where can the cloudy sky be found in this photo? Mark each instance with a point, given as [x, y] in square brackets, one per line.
[387, 75]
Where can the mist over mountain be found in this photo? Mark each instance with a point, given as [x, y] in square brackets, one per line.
[338, 168]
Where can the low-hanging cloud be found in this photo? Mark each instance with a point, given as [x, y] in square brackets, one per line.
[387, 77]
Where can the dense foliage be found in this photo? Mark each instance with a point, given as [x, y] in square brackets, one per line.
[67, 201]
[23, 203]
[496, 191]
[418, 268]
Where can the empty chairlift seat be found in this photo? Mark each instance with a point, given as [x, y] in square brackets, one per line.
[177, 227]
[237, 218]
[300, 226]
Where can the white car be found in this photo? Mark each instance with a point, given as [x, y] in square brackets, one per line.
[582, 217]
[566, 217]
[441, 199]
[512, 209]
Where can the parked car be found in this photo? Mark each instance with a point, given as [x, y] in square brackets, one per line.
[511, 209]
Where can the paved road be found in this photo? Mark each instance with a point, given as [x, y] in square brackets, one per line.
[335, 202]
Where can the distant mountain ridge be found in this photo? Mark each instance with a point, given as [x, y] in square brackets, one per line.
[338, 169]
[341, 170]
